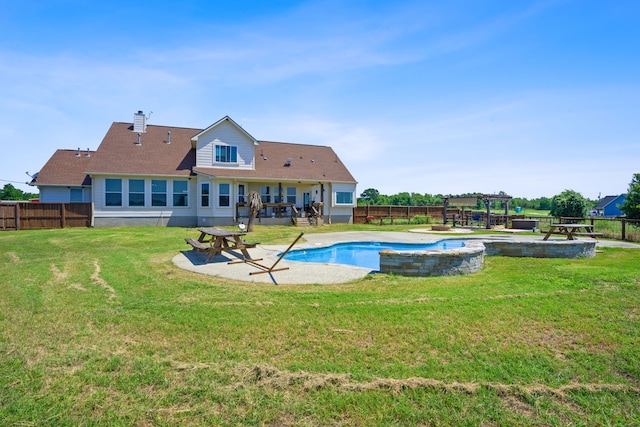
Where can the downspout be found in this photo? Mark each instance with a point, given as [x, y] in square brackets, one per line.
[330, 202]
[234, 200]
[93, 206]
[322, 201]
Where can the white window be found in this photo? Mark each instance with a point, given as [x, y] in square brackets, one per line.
[291, 195]
[136, 192]
[180, 193]
[76, 195]
[265, 194]
[224, 194]
[158, 192]
[113, 192]
[241, 193]
[344, 198]
[204, 198]
[226, 154]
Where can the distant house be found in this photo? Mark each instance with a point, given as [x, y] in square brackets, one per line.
[159, 175]
[610, 205]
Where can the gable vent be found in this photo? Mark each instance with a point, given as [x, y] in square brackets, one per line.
[139, 122]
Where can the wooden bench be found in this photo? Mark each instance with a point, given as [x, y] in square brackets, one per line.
[198, 246]
[589, 234]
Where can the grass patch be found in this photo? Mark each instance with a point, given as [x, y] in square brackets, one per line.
[97, 326]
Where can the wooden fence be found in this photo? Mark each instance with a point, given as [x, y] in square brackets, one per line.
[361, 213]
[32, 216]
[610, 228]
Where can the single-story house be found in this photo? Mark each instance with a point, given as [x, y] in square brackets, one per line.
[610, 205]
[160, 175]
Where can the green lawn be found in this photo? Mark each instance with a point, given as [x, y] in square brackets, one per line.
[98, 327]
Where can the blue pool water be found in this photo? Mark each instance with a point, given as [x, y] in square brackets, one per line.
[364, 254]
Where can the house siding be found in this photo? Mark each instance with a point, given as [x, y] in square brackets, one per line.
[57, 194]
[144, 215]
[341, 213]
[224, 134]
[612, 208]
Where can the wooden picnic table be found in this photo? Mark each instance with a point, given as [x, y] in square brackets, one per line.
[571, 230]
[220, 240]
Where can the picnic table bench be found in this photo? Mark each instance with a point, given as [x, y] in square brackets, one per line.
[571, 230]
[220, 240]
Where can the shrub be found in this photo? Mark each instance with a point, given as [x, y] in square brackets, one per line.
[631, 205]
[422, 219]
[568, 203]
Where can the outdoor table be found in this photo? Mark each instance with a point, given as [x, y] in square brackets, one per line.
[224, 240]
[571, 230]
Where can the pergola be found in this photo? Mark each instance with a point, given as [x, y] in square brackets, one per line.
[472, 200]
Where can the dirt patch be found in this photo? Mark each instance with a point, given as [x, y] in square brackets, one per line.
[517, 405]
[269, 376]
[58, 276]
[99, 281]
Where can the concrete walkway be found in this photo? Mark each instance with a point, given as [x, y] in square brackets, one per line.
[325, 273]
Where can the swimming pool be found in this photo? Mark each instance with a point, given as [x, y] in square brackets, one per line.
[364, 254]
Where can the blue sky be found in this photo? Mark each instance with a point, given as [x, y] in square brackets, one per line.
[526, 97]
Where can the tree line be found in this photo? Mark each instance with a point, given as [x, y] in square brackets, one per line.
[9, 192]
[568, 203]
[371, 196]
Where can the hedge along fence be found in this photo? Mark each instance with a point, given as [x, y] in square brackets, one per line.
[32, 216]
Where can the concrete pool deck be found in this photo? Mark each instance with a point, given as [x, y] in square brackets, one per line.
[325, 273]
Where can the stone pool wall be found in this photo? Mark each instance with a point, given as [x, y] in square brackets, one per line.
[542, 249]
[467, 260]
[449, 262]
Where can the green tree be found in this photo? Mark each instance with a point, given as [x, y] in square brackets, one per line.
[370, 196]
[543, 203]
[568, 203]
[9, 192]
[631, 205]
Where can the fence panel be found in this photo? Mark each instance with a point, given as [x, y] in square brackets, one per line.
[361, 213]
[33, 216]
[8, 217]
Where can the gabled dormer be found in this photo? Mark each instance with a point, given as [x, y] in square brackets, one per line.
[225, 144]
